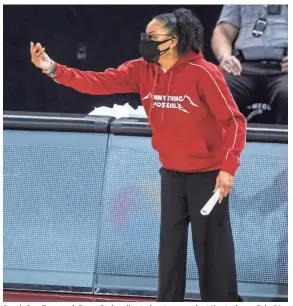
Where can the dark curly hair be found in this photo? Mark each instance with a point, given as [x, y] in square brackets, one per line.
[186, 27]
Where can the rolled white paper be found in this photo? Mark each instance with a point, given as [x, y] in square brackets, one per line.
[205, 211]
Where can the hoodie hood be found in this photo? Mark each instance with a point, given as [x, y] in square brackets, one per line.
[188, 57]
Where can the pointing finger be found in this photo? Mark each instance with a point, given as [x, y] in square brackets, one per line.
[32, 48]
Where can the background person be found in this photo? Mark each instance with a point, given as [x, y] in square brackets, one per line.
[250, 43]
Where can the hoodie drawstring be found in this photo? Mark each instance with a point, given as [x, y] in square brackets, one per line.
[153, 92]
[168, 90]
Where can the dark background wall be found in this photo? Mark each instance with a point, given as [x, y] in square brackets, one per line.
[85, 37]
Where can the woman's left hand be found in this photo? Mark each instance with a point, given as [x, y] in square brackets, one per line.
[225, 182]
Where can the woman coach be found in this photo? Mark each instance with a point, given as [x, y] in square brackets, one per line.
[198, 132]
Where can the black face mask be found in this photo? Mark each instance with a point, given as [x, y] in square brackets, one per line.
[149, 48]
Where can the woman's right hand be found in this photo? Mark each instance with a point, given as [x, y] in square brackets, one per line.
[39, 58]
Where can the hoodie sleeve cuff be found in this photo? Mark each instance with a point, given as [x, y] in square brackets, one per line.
[59, 72]
[230, 167]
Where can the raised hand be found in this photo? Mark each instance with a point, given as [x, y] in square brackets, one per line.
[39, 58]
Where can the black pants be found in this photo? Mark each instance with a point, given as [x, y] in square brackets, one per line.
[183, 196]
[273, 88]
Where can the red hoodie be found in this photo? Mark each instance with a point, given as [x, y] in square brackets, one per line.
[195, 122]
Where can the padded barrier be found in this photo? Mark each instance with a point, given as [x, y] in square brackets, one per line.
[131, 213]
[81, 208]
[53, 184]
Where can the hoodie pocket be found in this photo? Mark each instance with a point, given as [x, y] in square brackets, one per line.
[200, 149]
